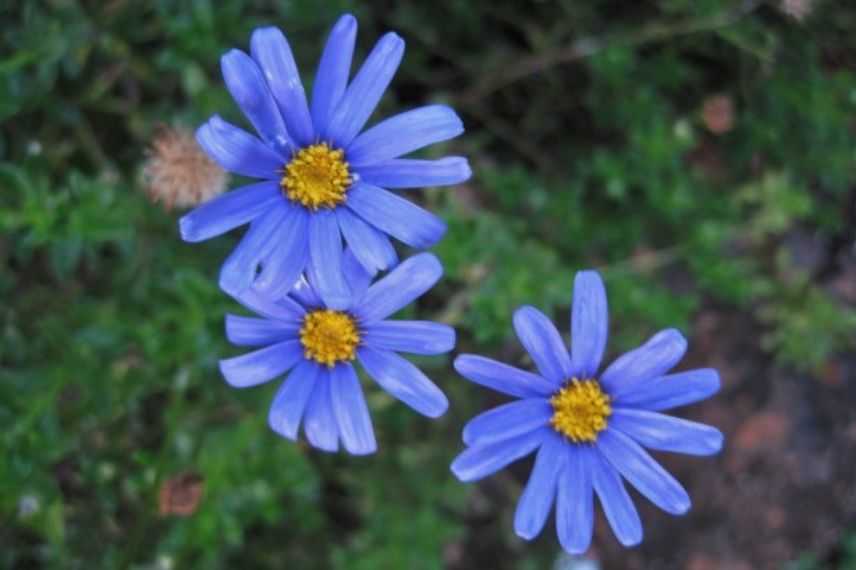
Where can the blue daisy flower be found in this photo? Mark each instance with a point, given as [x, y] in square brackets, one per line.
[318, 344]
[589, 429]
[322, 179]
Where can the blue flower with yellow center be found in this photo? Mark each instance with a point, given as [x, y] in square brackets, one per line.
[590, 430]
[323, 180]
[318, 344]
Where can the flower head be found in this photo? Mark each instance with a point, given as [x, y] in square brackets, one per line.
[797, 9]
[589, 429]
[322, 179]
[318, 345]
[177, 171]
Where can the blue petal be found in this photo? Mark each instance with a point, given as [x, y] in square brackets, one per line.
[396, 216]
[238, 151]
[415, 173]
[654, 358]
[643, 472]
[616, 502]
[271, 51]
[403, 381]
[290, 401]
[239, 269]
[672, 390]
[365, 91]
[228, 211]
[415, 337]
[399, 287]
[575, 501]
[245, 82]
[325, 260]
[261, 365]
[304, 294]
[589, 324]
[404, 133]
[334, 68]
[665, 433]
[507, 421]
[480, 461]
[543, 343]
[370, 246]
[284, 310]
[320, 422]
[535, 504]
[356, 275]
[352, 414]
[283, 265]
[250, 331]
[502, 377]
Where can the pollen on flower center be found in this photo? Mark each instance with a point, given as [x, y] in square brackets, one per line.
[329, 336]
[580, 410]
[317, 176]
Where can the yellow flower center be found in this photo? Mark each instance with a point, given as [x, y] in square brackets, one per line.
[580, 410]
[329, 337]
[317, 176]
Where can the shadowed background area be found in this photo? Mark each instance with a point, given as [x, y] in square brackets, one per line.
[699, 153]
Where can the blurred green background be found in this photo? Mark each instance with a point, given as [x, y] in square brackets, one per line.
[700, 153]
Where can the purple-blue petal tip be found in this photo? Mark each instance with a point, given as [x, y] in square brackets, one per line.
[390, 44]
[187, 228]
[345, 23]
[466, 172]
[233, 283]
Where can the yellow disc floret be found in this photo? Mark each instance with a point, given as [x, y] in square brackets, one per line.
[580, 410]
[329, 336]
[316, 177]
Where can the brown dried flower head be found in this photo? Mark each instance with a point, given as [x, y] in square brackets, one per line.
[718, 114]
[177, 171]
[799, 10]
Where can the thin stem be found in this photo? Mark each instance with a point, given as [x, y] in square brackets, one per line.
[589, 46]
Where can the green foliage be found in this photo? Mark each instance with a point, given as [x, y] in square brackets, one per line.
[847, 559]
[593, 157]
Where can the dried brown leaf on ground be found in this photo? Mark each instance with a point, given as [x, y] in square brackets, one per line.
[181, 494]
